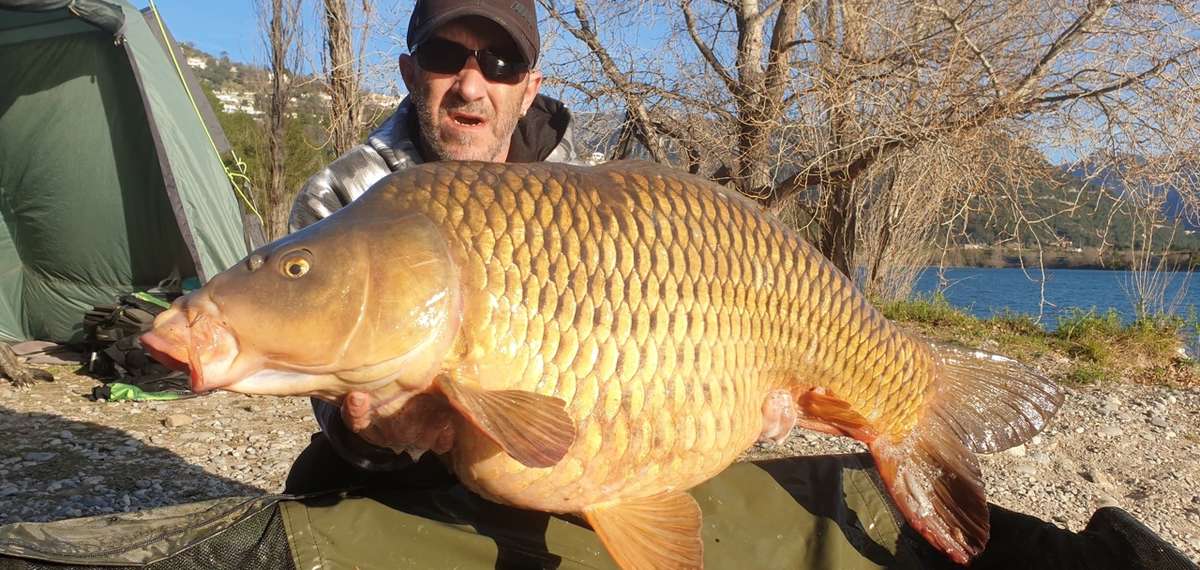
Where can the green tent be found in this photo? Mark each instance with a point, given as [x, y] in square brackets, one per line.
[109, 182]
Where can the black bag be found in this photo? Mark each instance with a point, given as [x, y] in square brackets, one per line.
[112, 349]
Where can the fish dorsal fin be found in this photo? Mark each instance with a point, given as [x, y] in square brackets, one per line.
[653, 533]
[991, 402]
[534, 429]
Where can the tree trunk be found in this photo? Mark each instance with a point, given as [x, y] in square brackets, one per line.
[342, 78]
[278, 205]
[20, 375]
[837, 222]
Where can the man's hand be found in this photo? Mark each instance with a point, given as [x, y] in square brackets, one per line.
[425, 423]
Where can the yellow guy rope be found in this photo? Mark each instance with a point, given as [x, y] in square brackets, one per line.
[241, 166]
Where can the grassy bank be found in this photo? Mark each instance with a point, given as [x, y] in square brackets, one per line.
[1087, 347]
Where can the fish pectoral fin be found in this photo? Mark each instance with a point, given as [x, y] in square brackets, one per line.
[534, 429]
[658, 532]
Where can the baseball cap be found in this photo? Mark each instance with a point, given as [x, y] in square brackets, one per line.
[517, 17]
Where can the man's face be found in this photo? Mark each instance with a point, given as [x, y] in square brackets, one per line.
[463, 116]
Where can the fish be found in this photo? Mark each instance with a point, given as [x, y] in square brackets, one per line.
[597, 341]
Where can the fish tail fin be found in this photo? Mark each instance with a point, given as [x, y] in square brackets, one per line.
[936, 483]
[981, 403]
[990, 401]
[932, 477]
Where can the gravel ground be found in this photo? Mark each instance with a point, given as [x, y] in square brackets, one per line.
[66, 456]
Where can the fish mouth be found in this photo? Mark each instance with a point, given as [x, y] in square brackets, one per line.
[197, 342]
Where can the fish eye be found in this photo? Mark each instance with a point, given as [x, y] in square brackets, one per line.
[296, 264]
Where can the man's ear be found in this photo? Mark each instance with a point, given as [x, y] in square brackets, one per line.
[408, 70]
[532, 84]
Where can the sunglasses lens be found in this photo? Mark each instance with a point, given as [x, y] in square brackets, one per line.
[496, 68]
[444, 56]
[440, 56]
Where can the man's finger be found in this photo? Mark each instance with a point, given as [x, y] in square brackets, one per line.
[356, 411]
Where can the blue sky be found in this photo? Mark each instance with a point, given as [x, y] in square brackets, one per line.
[231, 26]
[213, 25]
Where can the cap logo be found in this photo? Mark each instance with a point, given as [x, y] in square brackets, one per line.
[521, 11]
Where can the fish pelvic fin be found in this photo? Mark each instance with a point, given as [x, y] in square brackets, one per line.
[661, 532]
[990, 401]
[531, 428]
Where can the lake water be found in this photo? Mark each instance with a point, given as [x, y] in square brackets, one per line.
[984, 292]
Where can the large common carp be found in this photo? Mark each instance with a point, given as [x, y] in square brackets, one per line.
[600, 340]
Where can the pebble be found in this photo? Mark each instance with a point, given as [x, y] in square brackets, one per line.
[1018, 451]
[1096, 476]
[176, 420]
[1111, 431]
[1106, 501]
[1025, 469]
[1035, 440]
[39, 456]
[1158, 421]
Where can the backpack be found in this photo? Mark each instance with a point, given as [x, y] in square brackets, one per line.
[112, 348]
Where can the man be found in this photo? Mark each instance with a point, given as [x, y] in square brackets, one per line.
[473, 95]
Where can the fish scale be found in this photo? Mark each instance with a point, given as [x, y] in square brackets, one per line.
[598, 341]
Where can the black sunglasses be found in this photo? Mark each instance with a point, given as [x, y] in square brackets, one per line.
[444, 56]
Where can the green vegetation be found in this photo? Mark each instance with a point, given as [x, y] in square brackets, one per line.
[1088, 347]
[306, 132]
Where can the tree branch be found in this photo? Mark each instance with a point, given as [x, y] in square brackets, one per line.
[585, 34]
[1062, 42]
[705, 51]
[1089, 93]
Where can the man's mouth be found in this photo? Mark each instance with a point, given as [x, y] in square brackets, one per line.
[467, 120]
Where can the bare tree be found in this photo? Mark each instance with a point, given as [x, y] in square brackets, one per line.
[813, 100]
[281, 20]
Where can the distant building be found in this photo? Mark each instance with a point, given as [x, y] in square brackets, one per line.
[237, 102]
[197, 63]
[380, 100]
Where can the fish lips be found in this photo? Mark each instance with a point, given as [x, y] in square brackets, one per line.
[196, 344]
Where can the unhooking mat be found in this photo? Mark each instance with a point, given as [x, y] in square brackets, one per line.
[824, 512]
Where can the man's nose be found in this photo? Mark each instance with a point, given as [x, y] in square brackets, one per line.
[471, 84]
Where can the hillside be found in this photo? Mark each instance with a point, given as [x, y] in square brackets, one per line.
[1085, 227]
[238, 93]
